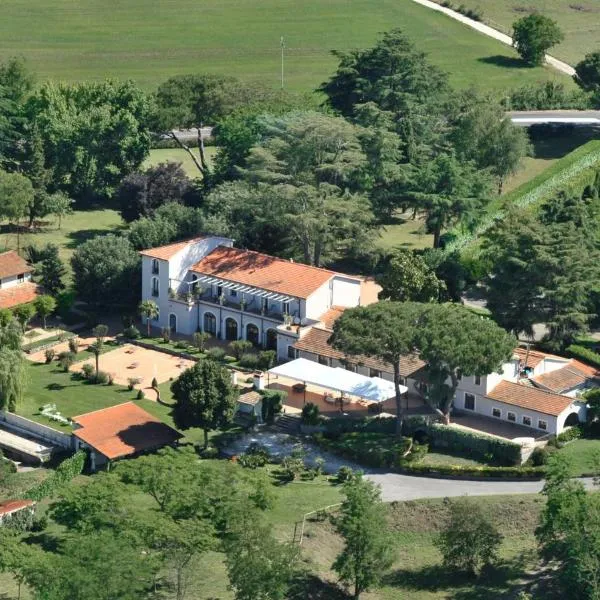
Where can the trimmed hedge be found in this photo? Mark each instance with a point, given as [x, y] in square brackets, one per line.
[47, 342]
[585, 354]
[477, 445]
[483, 471]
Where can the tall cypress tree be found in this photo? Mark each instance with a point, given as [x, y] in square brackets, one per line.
[52, 271]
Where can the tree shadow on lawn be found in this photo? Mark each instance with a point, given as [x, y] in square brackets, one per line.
[505, 62]
[500, 581]
[308, 586]
[76, 238]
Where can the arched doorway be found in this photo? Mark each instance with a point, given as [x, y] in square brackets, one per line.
[252, 334]
[271, 342]
[231, 329]
[210, 323]
[173, 323]
[572, 420]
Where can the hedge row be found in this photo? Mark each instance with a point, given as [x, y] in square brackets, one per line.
[67, 470]
[585, 354]
[47, 342]
[572, 174]
[477, 445]
[483, 471]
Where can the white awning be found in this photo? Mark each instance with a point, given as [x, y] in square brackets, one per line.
[341, 380]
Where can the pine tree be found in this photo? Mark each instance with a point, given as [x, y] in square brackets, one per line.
[52, 271]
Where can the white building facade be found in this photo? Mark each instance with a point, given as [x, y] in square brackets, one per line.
[207, 285]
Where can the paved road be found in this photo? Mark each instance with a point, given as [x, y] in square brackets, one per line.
[405, 487]
[574, 117]
[559, 65]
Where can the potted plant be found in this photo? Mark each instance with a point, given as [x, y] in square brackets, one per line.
[242, 304]
[287, 320]
[222, 299]
[171, 293]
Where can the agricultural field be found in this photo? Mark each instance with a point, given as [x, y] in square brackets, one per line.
[579, 21]
[91, 40]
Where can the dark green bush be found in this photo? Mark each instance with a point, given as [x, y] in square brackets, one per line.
[102, 377]
[483, 471]
[249, 361]
[540, 455]
[272, 403]
[468, 443]
[310, 414]
[210, 452]
[87, 370]
[49, 355]
[216, 353]
[573, 433]
[140, 395]
[131, 332]
[585, 354]
[344, 474]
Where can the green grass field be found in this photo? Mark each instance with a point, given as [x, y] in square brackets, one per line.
[75, 229]
[417, 573]
[178, 155]
[90, 39]
[579, 21]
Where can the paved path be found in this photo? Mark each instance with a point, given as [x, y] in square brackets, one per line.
[405, 487]
[526, 118]
[559, 65]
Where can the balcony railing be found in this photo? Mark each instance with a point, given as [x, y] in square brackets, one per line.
[249, 307]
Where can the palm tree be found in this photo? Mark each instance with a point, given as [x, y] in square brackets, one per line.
[100, 332]
[148, 309]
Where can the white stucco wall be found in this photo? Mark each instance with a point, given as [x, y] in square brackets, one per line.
[8, 282]
[345, 291]
[319, 301]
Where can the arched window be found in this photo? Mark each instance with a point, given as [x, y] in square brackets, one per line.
[210, 323]
[271, 342]
[252, 334]
[173, 323]
[155, 287]
[231, 329]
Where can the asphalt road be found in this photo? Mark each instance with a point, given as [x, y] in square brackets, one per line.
[395, 487]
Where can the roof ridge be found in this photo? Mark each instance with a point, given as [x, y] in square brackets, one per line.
[176, 242]
[535, 387]
[277, 258]
[92, 412]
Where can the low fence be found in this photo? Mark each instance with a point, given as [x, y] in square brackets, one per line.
[18, 424]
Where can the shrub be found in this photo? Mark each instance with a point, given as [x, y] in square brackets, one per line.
[310, 414]
[165, 333]
[216, 353]
[39, 524]
[66, 360]
[200, 338]
[140, 395]
[182, 345]
[249, 361]
[266, 359]
[477, 445]
[131, 332]
[345, 474]
[272, 402]
[469, 541]
[154, 383]
[239, 347]
[210, 452]
[252, 461]
[539, 456]
[573, 433]
[293, 466]
[111, 378]
[132, 382]
[87, 371]
[585, 354]
[101, 377]
[74, 345]
[49, 354]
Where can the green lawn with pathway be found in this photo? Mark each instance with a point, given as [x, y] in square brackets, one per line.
[91, 40]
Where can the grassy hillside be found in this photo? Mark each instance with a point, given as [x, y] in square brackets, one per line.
[93, 39]
[580, 21]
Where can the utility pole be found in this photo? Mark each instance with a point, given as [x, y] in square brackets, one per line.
[282, 42]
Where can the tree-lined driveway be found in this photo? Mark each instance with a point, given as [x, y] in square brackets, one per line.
[395, 487]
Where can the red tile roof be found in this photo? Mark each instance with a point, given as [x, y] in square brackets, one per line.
[123, 430]
[534, 357]
[167, 252]
[329, 317]
[566, 378]
[531, 398]
[9, 506]
[315, 342]
[11, 264]
[21, 293]
[263, 271]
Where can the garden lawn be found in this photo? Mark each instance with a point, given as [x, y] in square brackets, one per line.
[91, 40]
[584, 455]
[75, 229]
[161, 155]
[402, 231]
[579, 21]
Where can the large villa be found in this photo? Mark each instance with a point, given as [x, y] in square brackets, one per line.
[205, 284]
